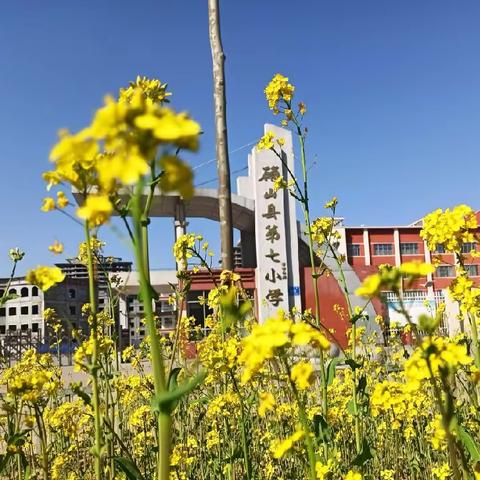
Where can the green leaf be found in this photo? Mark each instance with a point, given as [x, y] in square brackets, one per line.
[332, 369]
[167, 401]
[19, 438]
[173, 378]
[321, 428]
[362, 385]
[355, 318]
[236, 454]
[4, 460]
[352, 363]
[364, 456]
[128, 468]
[77, 390]
[469, 443]
[231, 312]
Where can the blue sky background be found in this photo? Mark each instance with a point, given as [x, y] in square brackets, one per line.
[392, 90]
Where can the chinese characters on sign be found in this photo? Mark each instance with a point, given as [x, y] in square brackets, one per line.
[276, 236]
[272, 274]
[278, 270]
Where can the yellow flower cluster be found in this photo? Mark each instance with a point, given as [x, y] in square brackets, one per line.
[401, 404]
[176, 176]
[322, 230]
[281, 184]
[33, 378]
[223, 405]
[278, 332]
[438, 354]
[56, 247]
[152, 89]
[323, 470]
[302, 374]
[464, 291]
[142, 418]
[49, 203]
[280, 447]
[450, 228]
[437, 434]
[267, 142]
[96, 246]
[267, 403]
[218, 355]
[45, 277]
[353, 475]
[96, 209]
[278, 89]
[442, 472]
[184, 245]
[120, 145]
[72, 419]
[84, 352]
[389, 278]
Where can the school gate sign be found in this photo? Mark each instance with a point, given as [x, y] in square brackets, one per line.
[276, 239]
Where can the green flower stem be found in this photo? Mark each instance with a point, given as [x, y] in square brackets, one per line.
[476, 344]
[43, 442]
[94, 367]
[243, 430]
[140, 223]
[306, 210]
[452, 451]
[178, 326]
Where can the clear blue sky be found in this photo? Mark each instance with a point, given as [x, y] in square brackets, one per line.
[392, 88]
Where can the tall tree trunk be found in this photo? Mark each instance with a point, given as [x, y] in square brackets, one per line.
[223, 165]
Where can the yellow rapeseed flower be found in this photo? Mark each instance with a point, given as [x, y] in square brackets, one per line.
[304, 334]
[389, 278]
[278, 89]
[387, 474]
[416, 269]
[450, 228]
[266, 142]
[45, 277]
[176, 176]
[302, 374]
[331, 204]
[170, 127]
[323, 471]
[442, 472]
[370, 287]
[48, 204]
[443, 354]
[62, 200]
[96, 209]
[280, 447]
[56, 247]
[352, 475]
[262, 343]
[267, 403]
[152, 89]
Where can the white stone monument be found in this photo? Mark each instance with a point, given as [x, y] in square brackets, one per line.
[276, 237]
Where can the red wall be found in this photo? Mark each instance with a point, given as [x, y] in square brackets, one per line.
[330, 294]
